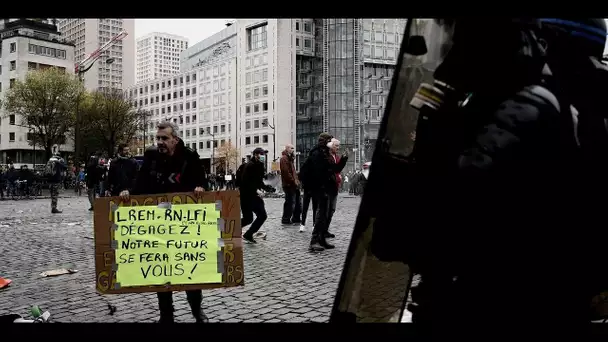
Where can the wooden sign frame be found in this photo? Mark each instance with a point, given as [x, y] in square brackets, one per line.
[229, 201]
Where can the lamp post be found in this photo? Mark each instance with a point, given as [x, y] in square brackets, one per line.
[274, 142]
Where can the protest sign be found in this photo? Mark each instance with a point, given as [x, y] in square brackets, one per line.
[168, 242]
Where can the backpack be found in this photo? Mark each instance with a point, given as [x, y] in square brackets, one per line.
[50, 170]
[238, 177]
[305, 171]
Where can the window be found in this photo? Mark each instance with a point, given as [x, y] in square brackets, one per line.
[223, 129]
[11, 83]
[257, 37]
[256, 92]
[13, 65]
[247, 125]
[307, 43]
[194, 91]
[181, 93]
[307, 27]
[11, 136]
[265, 90]
[247, 139]
[297, 26]
[247, 109]
[256, 123]
[194, 77]
[256, 108]
[214, 129]
[265, 139]
[256, 139]
[193, 104]
[11, 119]
[187, 92]
[298, 42]
[201, 145]
[194, 132]
[13, 47]
[265, 106]
[208, 144]
[187, 78]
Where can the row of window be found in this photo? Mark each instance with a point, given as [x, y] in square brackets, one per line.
[46, 51]
[307, 43]
[256, 139]
[218, 70]
[256, 76]
[307, 26]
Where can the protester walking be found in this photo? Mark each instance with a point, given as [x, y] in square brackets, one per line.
[251, 180]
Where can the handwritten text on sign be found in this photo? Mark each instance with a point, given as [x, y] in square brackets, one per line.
[176, 245]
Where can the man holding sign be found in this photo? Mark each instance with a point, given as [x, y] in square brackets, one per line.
[171, 167]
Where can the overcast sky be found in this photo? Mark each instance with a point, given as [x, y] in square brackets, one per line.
[193, 29]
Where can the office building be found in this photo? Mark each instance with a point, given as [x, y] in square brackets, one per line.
[28, 45]
[343, 86]
[325, 75]
[89, 35]
[158, 55]
[214, 98]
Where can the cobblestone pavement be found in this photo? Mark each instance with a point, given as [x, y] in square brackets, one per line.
[284, 282]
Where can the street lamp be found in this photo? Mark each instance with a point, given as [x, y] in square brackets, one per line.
[109, 61]
[274, 142]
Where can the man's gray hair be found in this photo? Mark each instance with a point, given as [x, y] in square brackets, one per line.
[169, 124]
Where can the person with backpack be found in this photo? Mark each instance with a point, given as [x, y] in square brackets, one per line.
[250, 182]
[53, 171]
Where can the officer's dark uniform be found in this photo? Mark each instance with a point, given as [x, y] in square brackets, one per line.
[181, 172]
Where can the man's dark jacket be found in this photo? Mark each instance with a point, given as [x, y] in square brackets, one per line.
[323, 175]
[122, 175]
[161, 173]
[253, 178]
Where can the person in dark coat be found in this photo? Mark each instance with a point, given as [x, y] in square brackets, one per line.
[322, 183]
[122, 173]
[170, 167]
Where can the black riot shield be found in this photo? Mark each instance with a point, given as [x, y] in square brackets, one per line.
[378, 269]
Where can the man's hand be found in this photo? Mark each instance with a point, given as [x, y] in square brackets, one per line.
[124, 195]
[108, 194]
[198, 191]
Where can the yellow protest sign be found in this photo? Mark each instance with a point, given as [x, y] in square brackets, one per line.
[179, 244]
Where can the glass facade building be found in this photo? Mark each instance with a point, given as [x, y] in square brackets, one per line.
[343, 88]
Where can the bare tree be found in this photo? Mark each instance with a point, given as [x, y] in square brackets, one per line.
[44, 102]
[111, 118]
[226, 158]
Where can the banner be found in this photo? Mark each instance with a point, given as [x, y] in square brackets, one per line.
[168, 242]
